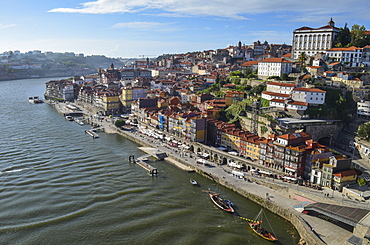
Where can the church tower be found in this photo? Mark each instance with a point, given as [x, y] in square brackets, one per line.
[331, 22]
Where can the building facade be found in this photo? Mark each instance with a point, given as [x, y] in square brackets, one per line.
[313, 40]
[273, 67]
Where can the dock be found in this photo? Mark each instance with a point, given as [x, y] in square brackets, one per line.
[92, 133]
[154, 152]
[141, 161]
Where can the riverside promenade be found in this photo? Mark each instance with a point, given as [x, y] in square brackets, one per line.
[312, 230]
[282, 197]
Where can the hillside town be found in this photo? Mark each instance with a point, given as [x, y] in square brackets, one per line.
[272, 105]
[36, 64]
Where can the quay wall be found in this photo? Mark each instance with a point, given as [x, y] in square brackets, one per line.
[302, 227]
[305, 232]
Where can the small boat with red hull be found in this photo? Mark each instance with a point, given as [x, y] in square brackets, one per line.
[223, 204]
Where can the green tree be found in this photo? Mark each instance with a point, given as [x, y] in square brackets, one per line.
[259, 89]
[343, 38]
[364, 131]
[236, 74]
[248, 71]
[358, 36]
[119, 123]
[284, 77]
[302, 59]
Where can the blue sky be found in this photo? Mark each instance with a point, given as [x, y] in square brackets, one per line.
[131, 28]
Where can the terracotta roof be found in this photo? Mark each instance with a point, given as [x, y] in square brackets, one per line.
[353, 48]
[309, 90]
[278, 101]
[305, 28]
[275, 60]
[328, 26]
[298, 103]
[294, 136]
[276, 94]
[288, 55]
[346, 173]
[250, 63]
[281, 84]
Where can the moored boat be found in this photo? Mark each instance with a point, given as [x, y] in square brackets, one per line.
[255, 225]
[193, 182]
[223, 204]
[69, 118]
[35, 100]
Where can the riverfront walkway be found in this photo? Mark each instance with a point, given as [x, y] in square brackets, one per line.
[327, 232]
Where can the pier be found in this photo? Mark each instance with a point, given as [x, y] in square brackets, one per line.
[141, 161]
[154, 152]
[92, 133]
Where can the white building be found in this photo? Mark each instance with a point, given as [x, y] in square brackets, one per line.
[363, 108]
[280, 87]
[271, 95]
[313, 40]
[273, 67]
[366, 55]
[289, 104]
[309, 95]
[350, 56]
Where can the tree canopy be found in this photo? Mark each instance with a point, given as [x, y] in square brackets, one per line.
[364, 131]
[355, 37]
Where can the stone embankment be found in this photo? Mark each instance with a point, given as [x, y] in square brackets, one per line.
[281, 201]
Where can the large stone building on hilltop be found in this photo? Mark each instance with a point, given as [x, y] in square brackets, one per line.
[313, 40]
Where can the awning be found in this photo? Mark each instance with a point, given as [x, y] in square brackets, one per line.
[237, 173]
[264, 172]
[234, 165]
[200, 160]
[205, 155]
[289, 169]
[289, 178]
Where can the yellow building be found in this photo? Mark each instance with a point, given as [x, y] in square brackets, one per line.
[343, 178]
[129, 94]
[252, 147]
[110, 103]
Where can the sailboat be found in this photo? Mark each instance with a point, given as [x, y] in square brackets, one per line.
[255, 225]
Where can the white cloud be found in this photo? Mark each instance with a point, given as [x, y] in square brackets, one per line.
[4, 26]
[139, 25]
[224, 8]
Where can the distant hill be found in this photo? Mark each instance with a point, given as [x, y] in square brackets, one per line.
[29, 65]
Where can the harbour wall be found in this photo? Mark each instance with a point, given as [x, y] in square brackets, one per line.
[305, 232]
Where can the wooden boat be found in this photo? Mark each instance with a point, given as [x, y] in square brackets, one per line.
[255, 225]
[223, 204]
[193, 182]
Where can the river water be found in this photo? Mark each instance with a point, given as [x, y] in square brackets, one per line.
[60, 186]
